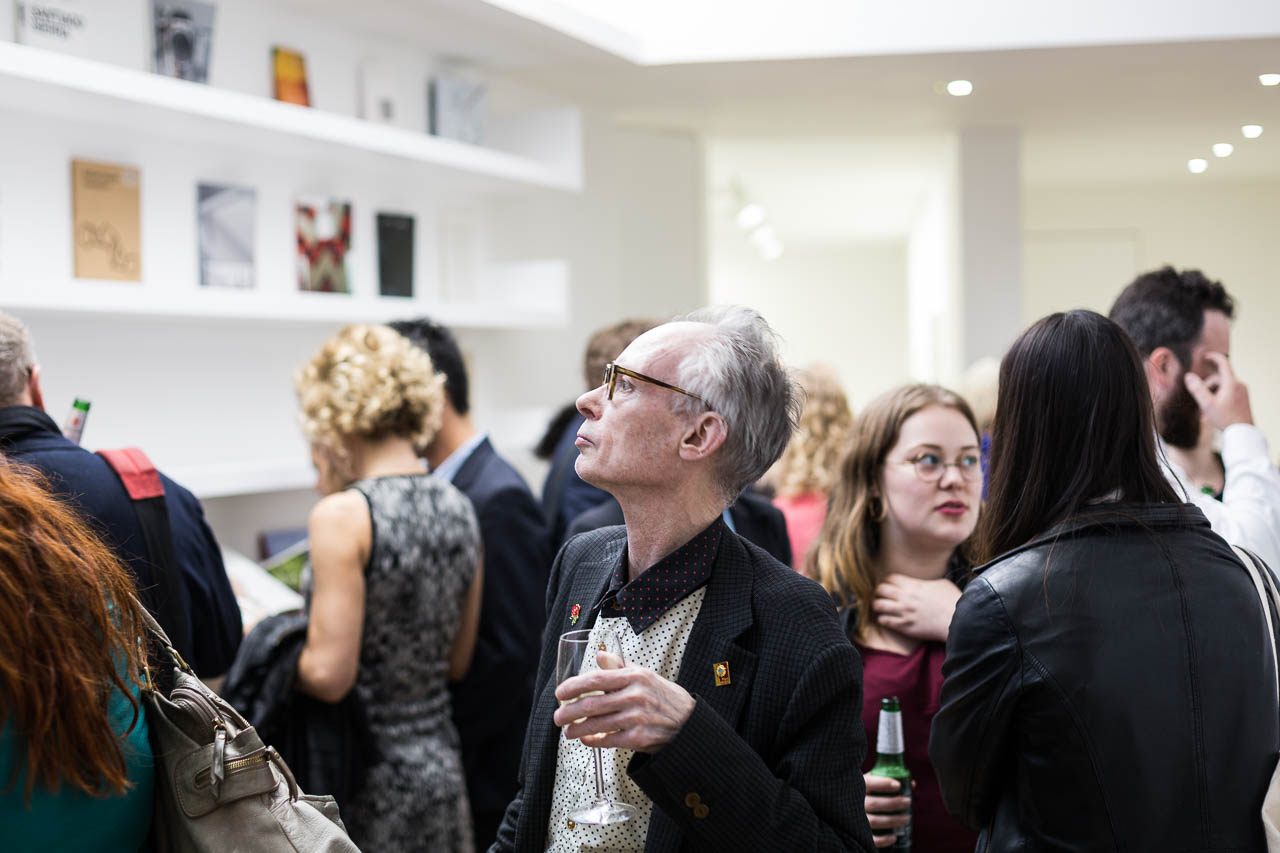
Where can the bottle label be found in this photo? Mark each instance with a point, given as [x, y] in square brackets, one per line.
[889, 736]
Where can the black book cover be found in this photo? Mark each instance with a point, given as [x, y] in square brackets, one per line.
[395, 254]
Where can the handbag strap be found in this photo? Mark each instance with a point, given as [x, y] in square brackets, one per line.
[1269, 595]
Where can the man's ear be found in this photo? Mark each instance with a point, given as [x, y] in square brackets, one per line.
[705, 437]
[1164, 370]
[34, 391]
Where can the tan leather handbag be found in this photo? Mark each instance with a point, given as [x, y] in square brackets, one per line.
[218, 787]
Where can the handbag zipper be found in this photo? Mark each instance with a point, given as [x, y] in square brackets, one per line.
[236, 765]
[198, 703]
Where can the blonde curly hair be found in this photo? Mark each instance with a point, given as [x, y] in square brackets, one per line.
[812, 458]
[368, 382]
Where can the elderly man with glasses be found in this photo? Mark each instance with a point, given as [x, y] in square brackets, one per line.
[732, 721]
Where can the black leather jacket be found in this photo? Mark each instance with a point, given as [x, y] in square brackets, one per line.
[1110, 686]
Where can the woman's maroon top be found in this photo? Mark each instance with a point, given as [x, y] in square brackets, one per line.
[916, 679]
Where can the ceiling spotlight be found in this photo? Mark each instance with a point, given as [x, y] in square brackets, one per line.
[1251, 131]
[1223, 149]
[960, 88]
[750, 217]
[1269, 79]
[772, 251]
[1197, 165]
[763, 236]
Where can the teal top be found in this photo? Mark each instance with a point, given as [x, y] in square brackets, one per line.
[71, 820]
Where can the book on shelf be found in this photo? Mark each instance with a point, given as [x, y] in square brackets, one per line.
[395, 254]
[106, 221]
[62, 25]
[456, 106]
[324, 242]
[182, 37]
[225, 226]
[384, 94]
[289, 70]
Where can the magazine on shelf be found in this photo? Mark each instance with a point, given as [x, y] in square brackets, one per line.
[106, 221]
[182, 37]
[289, 71]
[395, 254]
[456, 107]
[323, 244]
[61, 25]
[225, 225]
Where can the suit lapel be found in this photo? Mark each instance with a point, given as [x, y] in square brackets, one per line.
[725, 616]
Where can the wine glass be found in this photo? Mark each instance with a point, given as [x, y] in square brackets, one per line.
[577, 655]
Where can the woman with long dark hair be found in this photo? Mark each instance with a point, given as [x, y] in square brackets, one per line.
[74, 757]
[1108, 682]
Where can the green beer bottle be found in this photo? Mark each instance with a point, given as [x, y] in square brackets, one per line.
[889, 763]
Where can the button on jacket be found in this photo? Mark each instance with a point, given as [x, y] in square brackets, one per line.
[1109, 686]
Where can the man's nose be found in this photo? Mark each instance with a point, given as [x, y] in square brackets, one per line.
[589, 403]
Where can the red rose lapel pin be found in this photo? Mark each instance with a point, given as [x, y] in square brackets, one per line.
[573, 614]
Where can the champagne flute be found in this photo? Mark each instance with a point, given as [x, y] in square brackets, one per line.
[576, 655]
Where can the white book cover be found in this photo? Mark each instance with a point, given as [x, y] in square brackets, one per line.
[61, 25]
[225, 219]
[385, 95]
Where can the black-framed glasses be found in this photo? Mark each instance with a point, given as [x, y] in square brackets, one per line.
[611, 372]
[930, 467]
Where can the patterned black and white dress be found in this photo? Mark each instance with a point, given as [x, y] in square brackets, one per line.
[425, 548]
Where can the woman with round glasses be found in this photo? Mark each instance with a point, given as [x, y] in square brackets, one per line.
[892, 553]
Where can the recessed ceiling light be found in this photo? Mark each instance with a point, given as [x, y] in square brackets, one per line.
[1251, 131]
[1269, 79]
[1223, 149]
[960, 88]
[751, 216]
[1197, 165]
[771, 252]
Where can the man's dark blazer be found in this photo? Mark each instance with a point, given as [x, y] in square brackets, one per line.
[755, 519]
[774, 755]
[209, 639]
[491, 704]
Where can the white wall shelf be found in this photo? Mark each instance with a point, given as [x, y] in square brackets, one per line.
[42, 82]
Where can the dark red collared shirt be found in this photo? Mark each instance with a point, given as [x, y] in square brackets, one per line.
[664, 584]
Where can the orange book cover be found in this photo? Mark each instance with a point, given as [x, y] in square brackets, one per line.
[290, 76]
[106, 211]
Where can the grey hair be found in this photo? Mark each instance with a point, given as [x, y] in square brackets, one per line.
[738, 371]
[17, 357]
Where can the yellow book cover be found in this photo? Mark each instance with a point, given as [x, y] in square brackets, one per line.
[290, 76]
[106, 209]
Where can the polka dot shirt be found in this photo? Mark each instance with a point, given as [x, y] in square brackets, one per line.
[650, 625]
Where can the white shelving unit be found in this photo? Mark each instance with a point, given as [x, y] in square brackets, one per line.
[84, 90]
[198, 376]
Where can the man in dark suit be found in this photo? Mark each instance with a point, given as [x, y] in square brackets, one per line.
[205, 624]
[752, 516]
[756, 742]
[491, 704]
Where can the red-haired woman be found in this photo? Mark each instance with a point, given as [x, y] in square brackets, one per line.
[75, 765]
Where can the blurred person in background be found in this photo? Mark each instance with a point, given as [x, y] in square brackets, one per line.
[76, 763]
[395, 586]
[892, 552]
[565, 495]
[491, 704]
[1181, 324]
[210, 633]
[802, 478]
[1109, 676]
[979, 387]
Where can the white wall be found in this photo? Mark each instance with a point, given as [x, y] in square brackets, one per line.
[841, 304]
[1084, 244]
